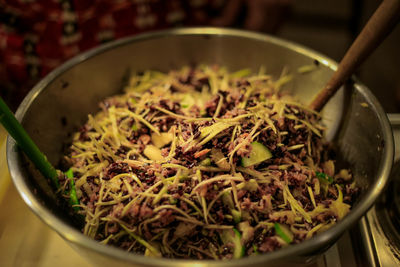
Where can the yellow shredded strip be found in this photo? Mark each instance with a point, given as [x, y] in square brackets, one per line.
[165, 162]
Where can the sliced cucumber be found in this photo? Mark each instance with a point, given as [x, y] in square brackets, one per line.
[236, 215]
[258, 154]
[251, 185]
[233, 236]
[238, 250]
[220, 160]
[284, 232]
[246, 230]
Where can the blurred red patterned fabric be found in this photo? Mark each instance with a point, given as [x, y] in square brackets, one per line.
[38, 35]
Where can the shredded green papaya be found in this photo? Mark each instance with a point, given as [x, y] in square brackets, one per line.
[201, 162]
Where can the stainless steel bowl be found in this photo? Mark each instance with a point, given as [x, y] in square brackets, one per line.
[58, 104]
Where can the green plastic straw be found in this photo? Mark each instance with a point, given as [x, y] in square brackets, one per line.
[15, 129]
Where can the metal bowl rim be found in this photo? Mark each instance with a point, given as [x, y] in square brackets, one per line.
[76, 237]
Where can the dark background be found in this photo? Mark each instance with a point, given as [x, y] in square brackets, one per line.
[329, 27]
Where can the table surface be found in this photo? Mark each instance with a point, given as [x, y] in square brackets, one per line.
[24, 239]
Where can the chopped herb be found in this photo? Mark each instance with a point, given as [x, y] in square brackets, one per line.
[323, 177]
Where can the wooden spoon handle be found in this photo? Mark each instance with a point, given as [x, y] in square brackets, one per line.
[378, 27]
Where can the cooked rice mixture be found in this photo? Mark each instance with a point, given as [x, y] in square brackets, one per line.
[205, 164]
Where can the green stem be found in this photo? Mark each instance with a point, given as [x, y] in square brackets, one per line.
[73, 199]
[23, 140]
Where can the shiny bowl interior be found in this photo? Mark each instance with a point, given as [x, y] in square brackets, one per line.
[58, 104]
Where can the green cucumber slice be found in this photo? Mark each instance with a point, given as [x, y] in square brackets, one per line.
[233, 236]
[284, 232]
[238, 251]
[236, 215]
[258, 154]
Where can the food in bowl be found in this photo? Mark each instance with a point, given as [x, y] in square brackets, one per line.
[204, 163]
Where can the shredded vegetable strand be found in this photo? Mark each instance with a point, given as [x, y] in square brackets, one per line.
[204, 163]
